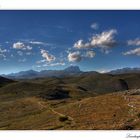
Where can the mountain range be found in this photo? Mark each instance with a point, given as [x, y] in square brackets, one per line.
[125, 70]
[69, 71]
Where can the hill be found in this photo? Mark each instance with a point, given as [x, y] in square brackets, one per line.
[5, 81]
[87, 101]
[84, 85]
[114, 111]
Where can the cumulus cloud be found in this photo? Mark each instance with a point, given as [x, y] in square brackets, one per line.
[90, 54]
[133, 52]
[105, 41]
[21, 46]
[74, 56]
[81, 45]
[94, 26]
[28, 48]
[48, 57]
[135, 42]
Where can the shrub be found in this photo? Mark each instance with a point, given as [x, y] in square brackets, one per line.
[138, 115]
[128, 127]
[63, 118]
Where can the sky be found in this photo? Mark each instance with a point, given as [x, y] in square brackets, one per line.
[93, 40]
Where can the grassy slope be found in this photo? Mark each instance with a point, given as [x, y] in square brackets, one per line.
[5, 81]
[133, 80]
[25, 104]
[108, 111]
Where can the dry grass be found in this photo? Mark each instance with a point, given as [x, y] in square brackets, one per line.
[25, 105]
[106, 112]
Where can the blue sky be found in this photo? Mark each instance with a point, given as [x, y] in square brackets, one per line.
[92, 40]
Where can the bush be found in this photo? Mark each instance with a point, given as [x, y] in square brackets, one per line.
[63, 118]
[138, 115]
[128, 127]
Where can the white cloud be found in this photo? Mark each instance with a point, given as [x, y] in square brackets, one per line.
[3, 50]
[20, 53]
[94, 26]
[74, 57]
[28, 53]
[28, 48]
[51, 64]
[41, 61]
[7, 42]
[103, 70]
[133, 52]
[80, 45]
[135, 42]
[54, 64]
[21, 46]
[38, 43]
[12, 55]
[105, 41]
[48, 57]
[18, 45]
[22, 60]
[90, 54]
[38, 66]
[2, 53]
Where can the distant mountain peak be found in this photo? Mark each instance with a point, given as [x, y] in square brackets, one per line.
[72, 69]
